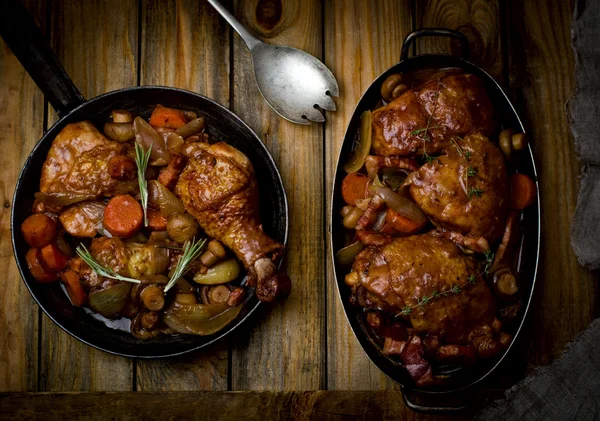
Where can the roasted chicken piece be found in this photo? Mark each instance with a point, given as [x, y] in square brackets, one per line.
[78, 165]
[466, 190]
[218, 187]
[429, 280]
[425, 118]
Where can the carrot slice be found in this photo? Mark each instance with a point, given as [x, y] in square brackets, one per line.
[74, 289]
[401, 223]
[522, 191]
[156, 221]
[39, 230]
[123, 216]
[53, 260]
[167, 117]
[37, 270]
[354, 187]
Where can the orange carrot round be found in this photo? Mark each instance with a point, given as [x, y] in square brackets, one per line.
[354, 187]
[74, 289]
[400, 223]
[39, 230]
[37, 270]
[123, 216]
[53, 259]
[156, 221]
[523, 191]
[167, 117]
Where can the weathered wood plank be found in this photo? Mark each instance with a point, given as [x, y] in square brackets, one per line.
[293, 406]
[362, 40]
[185, 44]
[479, 20]
[541, 77]
[21, 126]
[286, 347]
[97, 44]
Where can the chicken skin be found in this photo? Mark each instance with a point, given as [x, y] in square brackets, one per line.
[77, 164]
[465, 190]
[425, 118]
[218, 188]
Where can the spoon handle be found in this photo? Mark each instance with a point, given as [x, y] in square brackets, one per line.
[250, 40]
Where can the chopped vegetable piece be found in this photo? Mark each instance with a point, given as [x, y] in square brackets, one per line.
[39, 230]
[74, 289]
[221, 273]
[53, 260]
[167, 117]
[37, 270]
[168, 177]
[354, 187]
[401, 223]
[153, 298]
[522, 191]
[123, 216]
[346, 255]
[156, 221]
[357, 160]
[401, 205]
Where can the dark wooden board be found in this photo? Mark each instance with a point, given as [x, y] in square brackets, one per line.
[21, 126]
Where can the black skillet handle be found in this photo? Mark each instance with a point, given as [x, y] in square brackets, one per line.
[434, 32]
[27, 43]
[432, 404]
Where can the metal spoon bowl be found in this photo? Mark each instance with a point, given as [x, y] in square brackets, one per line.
[294, 83]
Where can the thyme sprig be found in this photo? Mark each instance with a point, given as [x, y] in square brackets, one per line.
[141, 159]
[86, 256]
[470, 173]
[423, 132]
[191, 250]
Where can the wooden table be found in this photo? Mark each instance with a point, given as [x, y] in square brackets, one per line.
[304, 343]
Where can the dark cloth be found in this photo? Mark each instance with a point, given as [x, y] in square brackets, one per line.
[584, 115]
[568, 389]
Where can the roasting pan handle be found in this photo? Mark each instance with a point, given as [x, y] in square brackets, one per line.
[27, 43]
[435, 32]
[432, 404]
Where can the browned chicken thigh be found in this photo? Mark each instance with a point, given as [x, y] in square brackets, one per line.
[78, 164]
[465, 190]
[218, 188]
[430, 281]
[425, 118]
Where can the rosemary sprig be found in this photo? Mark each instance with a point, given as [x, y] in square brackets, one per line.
[191, 250]
[141, 159]
[86, 256]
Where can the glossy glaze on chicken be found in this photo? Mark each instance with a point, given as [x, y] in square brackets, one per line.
[432, 238]
[137, 236]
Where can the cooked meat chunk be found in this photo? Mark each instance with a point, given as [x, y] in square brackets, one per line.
[466, 190]
[77, 163]
[424, 119]
[218, 187]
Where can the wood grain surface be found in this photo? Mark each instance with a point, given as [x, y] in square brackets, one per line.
[541, 75]
[304, 343]
[21, 126]
[362, 40]
[175, 406]
[185, 44]
[99, 58]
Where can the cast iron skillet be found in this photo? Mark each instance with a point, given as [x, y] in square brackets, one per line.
[452, 397]
[23, 37]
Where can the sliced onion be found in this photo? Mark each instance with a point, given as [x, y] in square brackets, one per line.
[110, 301]
[401, 205]
[380, 221]
[162, 197]
[346, 255]
[146, 136]
[394, 178]
[357, 160]
[199, 319]
[61, 199]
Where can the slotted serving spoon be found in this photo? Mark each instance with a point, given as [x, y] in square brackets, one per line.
[294, 83]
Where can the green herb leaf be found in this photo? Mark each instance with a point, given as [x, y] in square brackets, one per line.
[471, 172]
[472, 278]
[191, 250]
[474, 192]
[86, 256]
[406, 311]
[141, 159]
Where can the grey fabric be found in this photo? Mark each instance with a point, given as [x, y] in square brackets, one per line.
[568, 389]
[584, 115]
